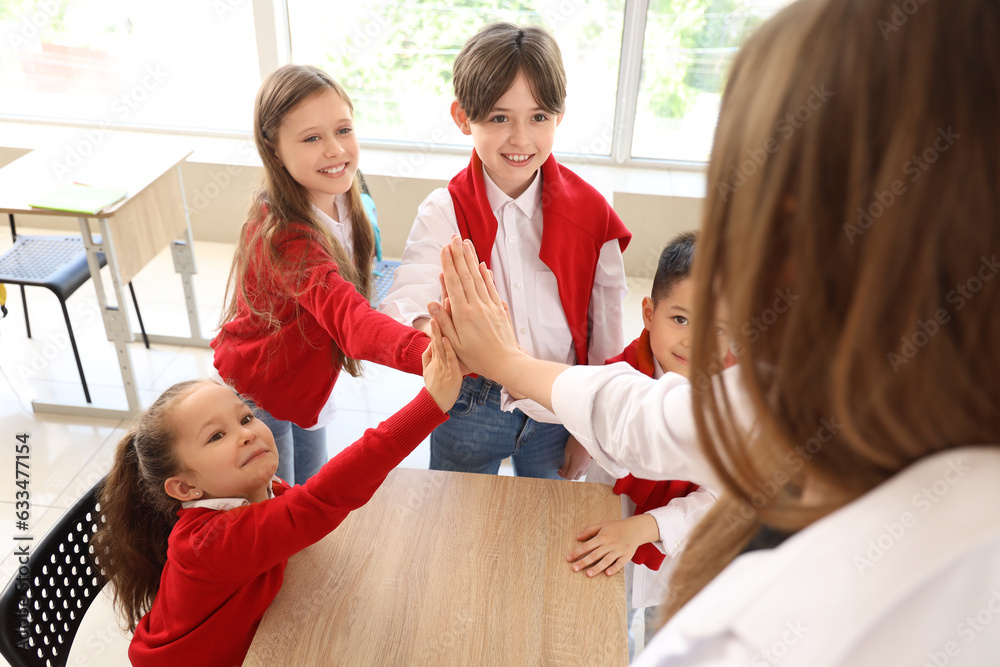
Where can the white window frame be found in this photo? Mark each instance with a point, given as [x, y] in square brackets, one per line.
[274, 48]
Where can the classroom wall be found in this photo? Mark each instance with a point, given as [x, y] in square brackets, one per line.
[218, 196]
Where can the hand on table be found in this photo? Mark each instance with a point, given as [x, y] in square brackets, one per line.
[608, 546]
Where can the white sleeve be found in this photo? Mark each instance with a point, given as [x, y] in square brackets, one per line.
[676, 519]
[607, 306]
[415, 283]
[631, 423]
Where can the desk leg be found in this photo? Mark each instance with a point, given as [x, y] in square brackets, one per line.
[182, 251]
[116, 324]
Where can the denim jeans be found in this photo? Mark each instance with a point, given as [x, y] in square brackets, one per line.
[301, 453]
[478, 436]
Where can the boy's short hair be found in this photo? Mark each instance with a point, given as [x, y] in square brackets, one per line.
[675, 265]
[489, 62]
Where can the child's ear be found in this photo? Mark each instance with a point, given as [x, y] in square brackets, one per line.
[274, 152]
[180, 489]
[559, 118]
[647, 313]
[458, 115]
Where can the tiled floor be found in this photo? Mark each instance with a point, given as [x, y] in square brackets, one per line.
[69, 454]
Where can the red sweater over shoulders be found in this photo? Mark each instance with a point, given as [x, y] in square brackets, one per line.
[291, 372]
[224, 568]
[576, 223]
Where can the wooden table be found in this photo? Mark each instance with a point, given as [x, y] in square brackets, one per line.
[132, 232]
[442, 569]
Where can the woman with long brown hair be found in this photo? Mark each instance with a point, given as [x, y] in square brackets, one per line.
[851, 237]
[299, 286]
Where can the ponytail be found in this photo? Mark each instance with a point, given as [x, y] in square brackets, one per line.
[137, 515]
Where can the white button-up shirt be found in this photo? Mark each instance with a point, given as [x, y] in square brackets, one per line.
[522, 280]
[340, 228]
[908, 574]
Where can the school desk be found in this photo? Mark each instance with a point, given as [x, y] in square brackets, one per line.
[131, 232]
[444, 568]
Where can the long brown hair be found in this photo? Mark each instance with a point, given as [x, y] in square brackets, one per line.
[138, 515]
[855, 175]
[282, 207]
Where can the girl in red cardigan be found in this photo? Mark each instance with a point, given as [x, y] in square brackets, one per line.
[298, 311]
[197, 530]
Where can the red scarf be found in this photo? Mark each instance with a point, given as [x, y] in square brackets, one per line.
[645, 493]
[576, 223]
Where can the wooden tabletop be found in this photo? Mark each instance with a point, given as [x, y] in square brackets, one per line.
[126, 160]
[445, 569]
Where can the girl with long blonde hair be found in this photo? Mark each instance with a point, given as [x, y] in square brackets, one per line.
[298, 292]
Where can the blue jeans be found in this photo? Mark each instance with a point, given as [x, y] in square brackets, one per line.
[478, 436]
[301, 453]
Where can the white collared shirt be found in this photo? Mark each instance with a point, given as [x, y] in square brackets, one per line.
[522, 279]
[893, 578]
[908, 574]
[226, 504]
[341, 228]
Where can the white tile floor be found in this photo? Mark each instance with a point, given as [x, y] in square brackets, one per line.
[69, 454]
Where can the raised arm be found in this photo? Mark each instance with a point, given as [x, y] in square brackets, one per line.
[358, 330]
[475, 322]
[626, 421]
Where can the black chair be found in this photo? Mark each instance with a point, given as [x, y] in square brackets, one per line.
[58, 263]
[43, 604]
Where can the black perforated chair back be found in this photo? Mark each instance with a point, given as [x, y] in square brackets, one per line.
[43, 604]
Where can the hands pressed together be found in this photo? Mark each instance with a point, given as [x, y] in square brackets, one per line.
[471, 331]
[472, 315]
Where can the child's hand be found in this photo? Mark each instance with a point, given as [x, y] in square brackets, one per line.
[576, 461]
[608, 546]
[442, 374]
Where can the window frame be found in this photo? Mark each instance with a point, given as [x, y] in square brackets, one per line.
[274, 48]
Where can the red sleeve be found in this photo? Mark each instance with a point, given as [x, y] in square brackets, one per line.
[275, 529]
[359, 330]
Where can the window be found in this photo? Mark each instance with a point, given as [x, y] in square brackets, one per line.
[688, 48]
[195, 64]
[395, 60]
[186, 63]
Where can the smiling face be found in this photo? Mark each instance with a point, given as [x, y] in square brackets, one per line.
[221, 448]
[515, 138]
[316, 144]
[669, 324]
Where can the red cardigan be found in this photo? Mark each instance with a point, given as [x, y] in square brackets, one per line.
[647, 494]
[576, 223]
[291, 372]
[224, 568]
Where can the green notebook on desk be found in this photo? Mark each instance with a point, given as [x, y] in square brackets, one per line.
[79, 199]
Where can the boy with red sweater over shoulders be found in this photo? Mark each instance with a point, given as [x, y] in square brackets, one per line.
[658, 515]
[552, 241]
